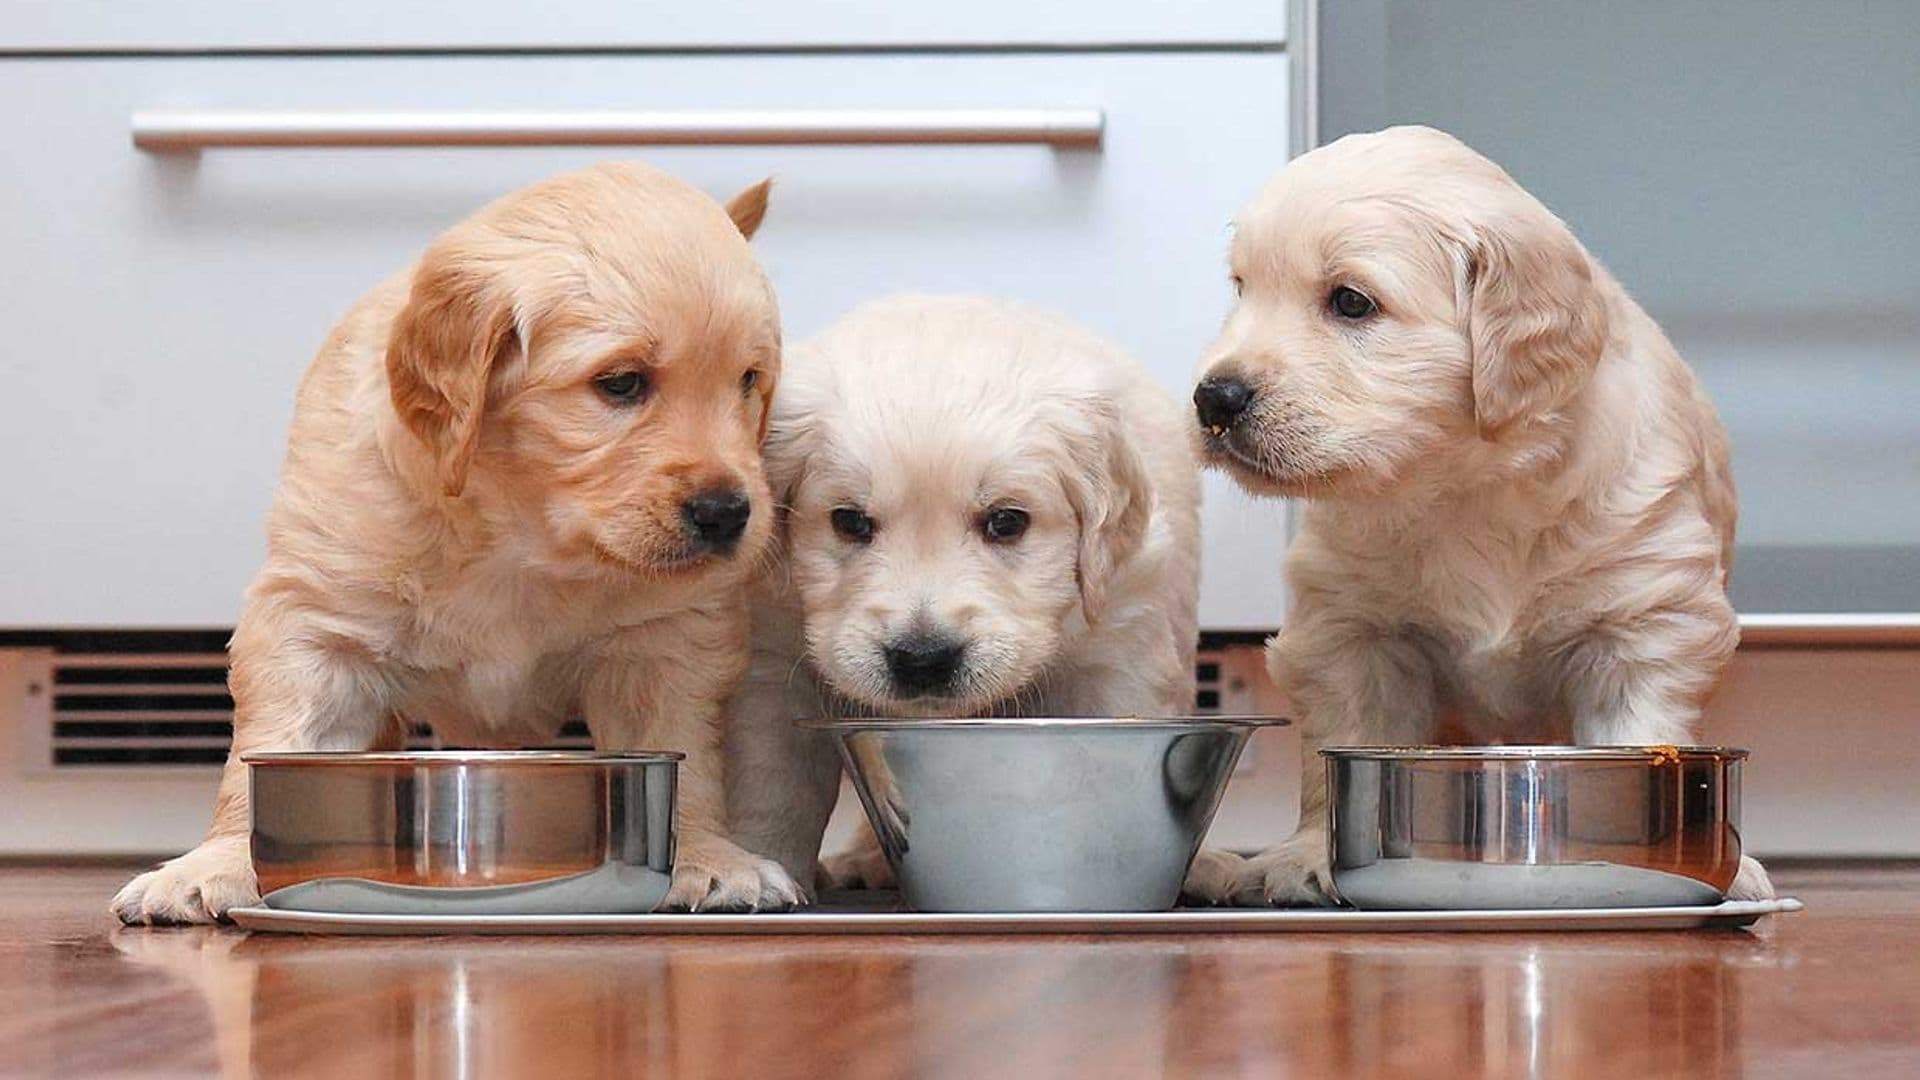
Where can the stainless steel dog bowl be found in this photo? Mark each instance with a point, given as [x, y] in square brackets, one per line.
[482, 832]
[1038, 814]
[1533, 826]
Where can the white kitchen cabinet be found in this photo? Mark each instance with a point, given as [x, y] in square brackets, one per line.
[161, 307]
[208, 25]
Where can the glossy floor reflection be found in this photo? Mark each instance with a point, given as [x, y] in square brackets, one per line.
[1832, 990]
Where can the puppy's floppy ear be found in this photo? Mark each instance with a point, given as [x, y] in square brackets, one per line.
[458, 323]
[1536, 319]
[769, 391]
[789, 436]
[1110, 493]
[749, 208]
[766, 421]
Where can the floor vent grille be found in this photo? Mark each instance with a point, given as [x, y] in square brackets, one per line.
[142, 699]
[140, 709]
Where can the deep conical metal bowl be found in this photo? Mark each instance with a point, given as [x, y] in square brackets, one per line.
[1041, 814]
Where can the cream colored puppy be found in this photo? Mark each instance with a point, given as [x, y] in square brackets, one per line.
[1519, 506]
[988, 510]
[523, 484]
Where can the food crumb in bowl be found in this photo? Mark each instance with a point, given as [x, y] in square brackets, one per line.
[1665, 754]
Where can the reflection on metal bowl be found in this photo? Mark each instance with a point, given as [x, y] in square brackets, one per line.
[1533, 827]
[475, 832]
[1041, 814]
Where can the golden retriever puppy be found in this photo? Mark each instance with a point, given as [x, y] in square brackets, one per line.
[988, 511]
[1519, 511]
[523, 484]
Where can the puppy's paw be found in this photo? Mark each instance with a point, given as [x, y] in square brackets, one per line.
[1214, 877]
[863, 867]
[1752, 882]
[713, 874]
[198, 887]
[1294, 874]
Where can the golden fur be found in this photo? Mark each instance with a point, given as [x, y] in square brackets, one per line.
[470, 530]
[1519, 504]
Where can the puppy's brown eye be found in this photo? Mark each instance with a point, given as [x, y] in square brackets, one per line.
[1004, 525]
[749, 379]
[1351, 303]
[1239, 285]
[852, 524]
[622, 387]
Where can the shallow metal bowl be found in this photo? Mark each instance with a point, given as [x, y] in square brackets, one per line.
[522, 832]
[1533, 826]
[1041, 814]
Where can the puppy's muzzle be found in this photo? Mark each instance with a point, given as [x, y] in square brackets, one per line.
[716, 519]
[923, 664]
[1220, 401]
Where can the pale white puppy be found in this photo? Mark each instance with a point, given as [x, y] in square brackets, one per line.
[988, 510]
[1519, 506]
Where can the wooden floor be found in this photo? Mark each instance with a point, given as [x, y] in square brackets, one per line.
[1833, 991]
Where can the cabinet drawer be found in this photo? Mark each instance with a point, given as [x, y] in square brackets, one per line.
[362, 25]
[163, 306]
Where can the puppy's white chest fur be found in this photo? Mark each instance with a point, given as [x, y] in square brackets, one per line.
[1471, 592]
[1471, 607]
[501, 657]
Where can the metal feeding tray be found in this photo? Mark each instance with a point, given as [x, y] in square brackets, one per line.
[879, 913]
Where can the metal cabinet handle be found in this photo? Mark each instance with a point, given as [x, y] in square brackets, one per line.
[1836, 630]
[186, 130]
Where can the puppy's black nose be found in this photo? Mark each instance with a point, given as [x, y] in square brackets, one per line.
[923, 663]
[716, 519]
[1220, 400]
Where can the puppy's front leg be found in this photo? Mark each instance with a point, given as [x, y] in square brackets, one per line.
[291, 691]
[1628, 690]
[664, 686]
[1347, 685]
[782, 781]
[1641, 681]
